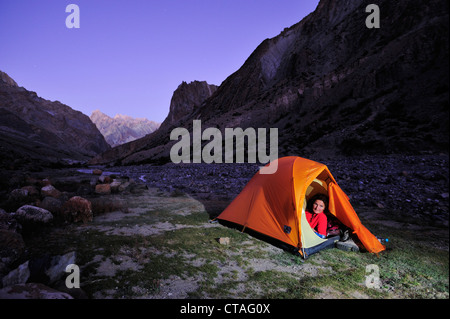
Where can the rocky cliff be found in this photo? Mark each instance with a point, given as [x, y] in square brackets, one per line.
[122, 129]
[187, 98]
[332, 86]
[33, 129]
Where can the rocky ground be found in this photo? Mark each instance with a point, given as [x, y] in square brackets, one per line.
[409, 188]
[145, 232]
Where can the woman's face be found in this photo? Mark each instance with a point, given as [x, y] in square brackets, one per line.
[318, 206]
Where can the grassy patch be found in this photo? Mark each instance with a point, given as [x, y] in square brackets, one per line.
[409, 268]
[141, 265]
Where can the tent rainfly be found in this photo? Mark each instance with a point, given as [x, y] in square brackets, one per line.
[274, 205]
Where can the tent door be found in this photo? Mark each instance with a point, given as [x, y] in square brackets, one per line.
[309, 237]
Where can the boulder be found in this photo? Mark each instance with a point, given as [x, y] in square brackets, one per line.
[32, 291]
[32, 190]
[103, 189]
[97, 171]
[50, 190]
[8, 222]
[58, 264]
[19, 195]
[28, 214]
[77, 209]
[12, 246]
[84, 189]
[52, 204]
[19, 275]
[48, 269]
[103, 204]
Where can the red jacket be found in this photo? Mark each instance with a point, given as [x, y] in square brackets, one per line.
[318, 222]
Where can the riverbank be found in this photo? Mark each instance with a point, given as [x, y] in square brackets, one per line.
[153, 239]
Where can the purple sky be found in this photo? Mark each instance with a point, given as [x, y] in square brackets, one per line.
[128, 57]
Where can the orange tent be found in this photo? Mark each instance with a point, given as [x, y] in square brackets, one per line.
[274, 205]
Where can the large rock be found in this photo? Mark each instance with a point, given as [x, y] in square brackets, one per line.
[49, 269]
[77, 209]
[103, 189]
[19, 275]
[19, 195]
[32, 190]
[97, 171]
[8, 222]
[58, 264]
[28, 214]
[12, 247]
[50, 190]
[52, 204]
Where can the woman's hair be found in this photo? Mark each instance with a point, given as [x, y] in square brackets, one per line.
[322, 197]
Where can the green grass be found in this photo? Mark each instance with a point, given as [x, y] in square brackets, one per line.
[410, 268]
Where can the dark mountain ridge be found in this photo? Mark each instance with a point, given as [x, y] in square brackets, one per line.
[34, 130]
[334, 87]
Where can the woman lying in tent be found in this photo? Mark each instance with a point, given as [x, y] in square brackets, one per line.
[316, 215]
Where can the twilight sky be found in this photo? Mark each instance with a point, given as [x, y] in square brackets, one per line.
[128, 57]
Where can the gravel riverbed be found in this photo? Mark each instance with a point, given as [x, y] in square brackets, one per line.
[411, 188]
